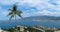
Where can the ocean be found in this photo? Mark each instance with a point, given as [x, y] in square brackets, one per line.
[48, 24]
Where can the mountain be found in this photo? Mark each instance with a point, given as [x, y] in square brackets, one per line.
[37, 18]
[42, 18]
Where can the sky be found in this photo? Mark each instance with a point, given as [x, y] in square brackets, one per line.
[30, 7]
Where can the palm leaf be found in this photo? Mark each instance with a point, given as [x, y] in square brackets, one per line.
[10, 13]
[20, 11]
[10, 9]
[11, 17]
[20, 15]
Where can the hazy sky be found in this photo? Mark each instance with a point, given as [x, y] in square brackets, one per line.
[31, 7]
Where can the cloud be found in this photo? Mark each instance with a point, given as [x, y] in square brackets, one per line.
[41, 7]
[7, 2]
[55, 2]
[39, 13]
[0, 7]
[5, 13]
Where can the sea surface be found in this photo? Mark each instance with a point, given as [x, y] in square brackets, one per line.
[10, 24]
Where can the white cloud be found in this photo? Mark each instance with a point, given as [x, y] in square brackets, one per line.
[41, 5]
[0, 7]
[26, 14]
[44, 12]
[31, 2]
[56, 2]
[7, 2]
[5, 13]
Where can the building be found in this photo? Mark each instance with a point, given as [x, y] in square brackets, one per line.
[57, 31]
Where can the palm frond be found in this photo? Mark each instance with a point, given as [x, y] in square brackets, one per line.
[10, 9]
[20, 12]
[20, 15]
[10, 14]
[11, 17]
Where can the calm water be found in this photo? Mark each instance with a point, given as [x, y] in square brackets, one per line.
[50, 24]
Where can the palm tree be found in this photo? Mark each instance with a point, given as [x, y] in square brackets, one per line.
[14, 12]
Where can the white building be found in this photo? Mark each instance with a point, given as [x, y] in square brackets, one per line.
[1, 30]
[21, 28]
[57, 31]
